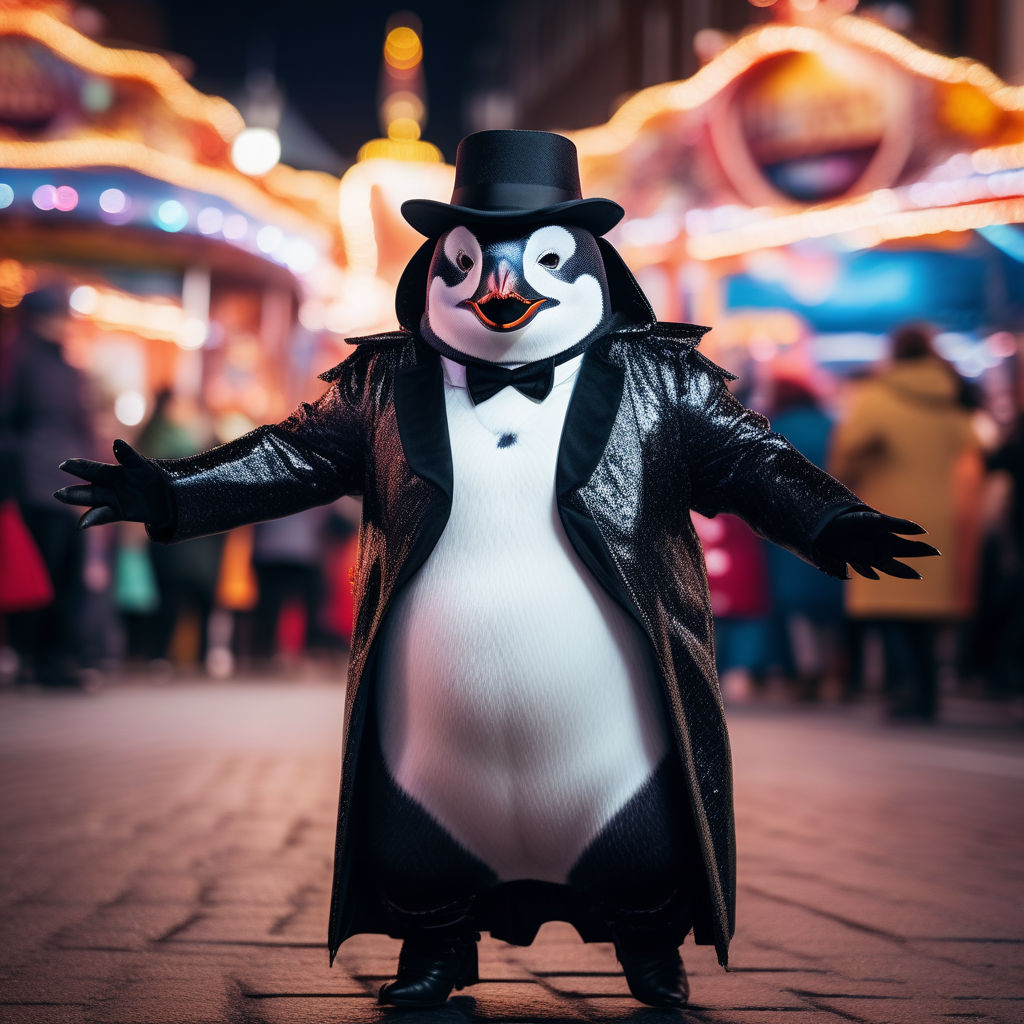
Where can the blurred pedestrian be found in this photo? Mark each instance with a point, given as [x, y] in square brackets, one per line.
[186, 574]
[287, 557]
[907, 441]
[997, 641]
[44, 411]
[806, 605]
[738, 586]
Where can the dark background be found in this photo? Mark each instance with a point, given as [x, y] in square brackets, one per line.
[326, 56]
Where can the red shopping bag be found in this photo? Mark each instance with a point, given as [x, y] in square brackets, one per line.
[24, 581]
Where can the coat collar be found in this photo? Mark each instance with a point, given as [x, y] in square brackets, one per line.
[423, 422]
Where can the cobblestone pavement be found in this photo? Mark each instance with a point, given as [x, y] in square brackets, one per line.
[165, 859]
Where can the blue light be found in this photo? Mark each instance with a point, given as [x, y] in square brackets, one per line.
[6, 195]
[171, 215]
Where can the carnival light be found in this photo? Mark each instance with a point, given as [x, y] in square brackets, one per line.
[130, 407]
[402, 48]
[872, 225]
[84, 299]
[65, 199]
[15, 281]
[256, 150]
[404, 129]
[192, 334]
[45, 197]
[1002, 344]
[6, 195]
[299, 255]
[97, 151]
[113, 200]
[718, 74]
[210, 220]
[236, 227]
[311, 315]
[97, 94]
[171, 215]
[268, 238]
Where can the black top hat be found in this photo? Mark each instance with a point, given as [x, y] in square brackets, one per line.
[514, 179]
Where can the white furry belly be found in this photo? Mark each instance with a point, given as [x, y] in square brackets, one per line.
[516, 701]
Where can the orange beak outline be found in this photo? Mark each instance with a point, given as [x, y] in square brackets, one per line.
[487, 321]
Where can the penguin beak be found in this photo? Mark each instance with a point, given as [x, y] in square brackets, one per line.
[503, 302]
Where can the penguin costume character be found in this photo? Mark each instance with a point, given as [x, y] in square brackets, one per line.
[533, 726]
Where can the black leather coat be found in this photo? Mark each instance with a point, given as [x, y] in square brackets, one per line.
[651, 432]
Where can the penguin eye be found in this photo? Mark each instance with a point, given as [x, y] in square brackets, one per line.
[463, 262]
[549, 260]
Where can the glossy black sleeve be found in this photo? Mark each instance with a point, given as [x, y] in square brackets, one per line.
[737, 464]
[313, 457]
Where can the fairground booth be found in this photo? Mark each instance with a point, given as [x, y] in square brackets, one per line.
[190, 249]
[819, 181]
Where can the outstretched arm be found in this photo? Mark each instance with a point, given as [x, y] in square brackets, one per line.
[311, 458]
[739, 465]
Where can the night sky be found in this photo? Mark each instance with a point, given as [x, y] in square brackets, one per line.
[327, 56]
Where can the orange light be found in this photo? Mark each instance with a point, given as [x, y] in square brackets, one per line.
[402, 48]
[15, 281]
[871, 220]
[612, 137]
[109, 62]
[411, 150]
[403, 129]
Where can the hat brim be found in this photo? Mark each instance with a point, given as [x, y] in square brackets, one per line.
[433, 219]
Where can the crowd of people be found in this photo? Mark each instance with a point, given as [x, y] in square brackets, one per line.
[75, 604]
[912, 438]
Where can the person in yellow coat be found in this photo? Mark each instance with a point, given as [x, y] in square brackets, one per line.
[907, 441]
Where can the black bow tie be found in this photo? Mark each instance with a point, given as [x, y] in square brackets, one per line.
[534, 380]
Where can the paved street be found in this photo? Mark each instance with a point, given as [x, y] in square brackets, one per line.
[165, 859]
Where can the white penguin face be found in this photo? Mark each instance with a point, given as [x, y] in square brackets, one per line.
[514, 299]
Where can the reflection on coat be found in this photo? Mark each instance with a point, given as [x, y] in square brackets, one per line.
[651, 432]
[907, 443]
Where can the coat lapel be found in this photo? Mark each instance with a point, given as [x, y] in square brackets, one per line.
[588, 421]
[423, 422]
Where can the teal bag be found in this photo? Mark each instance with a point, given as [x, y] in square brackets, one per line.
[135, 588]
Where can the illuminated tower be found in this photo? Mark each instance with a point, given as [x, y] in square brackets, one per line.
[402, 106]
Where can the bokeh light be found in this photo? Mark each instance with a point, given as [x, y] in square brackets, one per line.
[299, 255]
[171, 215]
[130, 407]
[65, 199]
[210, 220]
[192, 334]
[402, 48]
[6, 195]
[268, 238]
[236, 227]
[256, 150]
[45, 197]
[113, 200]
[84, 299]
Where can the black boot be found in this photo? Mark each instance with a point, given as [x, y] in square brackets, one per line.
[655, 974]
[429, 967]
[647, 945]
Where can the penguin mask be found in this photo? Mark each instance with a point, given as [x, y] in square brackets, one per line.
[513, 297]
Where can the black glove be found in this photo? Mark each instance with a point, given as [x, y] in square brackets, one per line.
[868, 541]
[135, 490]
